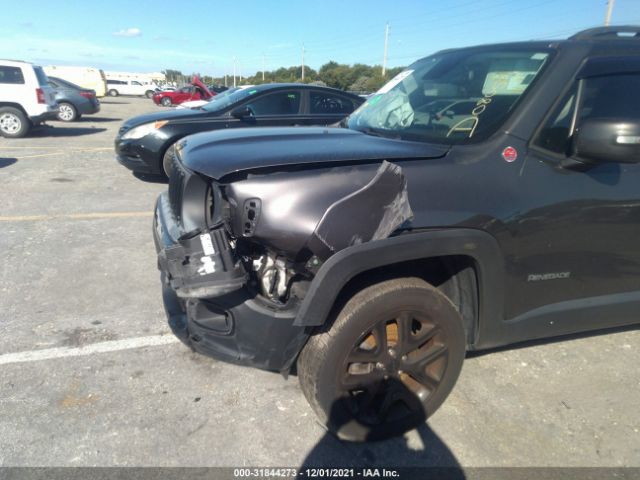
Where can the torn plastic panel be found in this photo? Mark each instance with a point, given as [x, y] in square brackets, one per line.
[370, 213]
[274, 234]
[229, 292]
[202, 265]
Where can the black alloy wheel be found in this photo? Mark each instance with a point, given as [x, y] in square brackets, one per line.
[387, 363]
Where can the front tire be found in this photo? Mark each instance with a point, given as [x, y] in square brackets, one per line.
[13, 123]
[166, 102]
[149, 93]
[112, 93]
[67, 112]
[387, 363]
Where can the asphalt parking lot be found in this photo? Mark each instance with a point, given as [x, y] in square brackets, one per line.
[91, 376]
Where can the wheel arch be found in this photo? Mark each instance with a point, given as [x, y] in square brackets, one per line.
[466, 264]
[15, 105]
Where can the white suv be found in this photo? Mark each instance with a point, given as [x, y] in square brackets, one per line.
[129, 87]
[26, 99]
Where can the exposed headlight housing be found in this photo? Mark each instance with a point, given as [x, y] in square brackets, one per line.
[143, 130]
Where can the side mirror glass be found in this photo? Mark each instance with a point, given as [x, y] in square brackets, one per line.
[604, 140]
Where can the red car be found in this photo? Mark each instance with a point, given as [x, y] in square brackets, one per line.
[196, 91]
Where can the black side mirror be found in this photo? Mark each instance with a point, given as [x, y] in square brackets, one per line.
[242, 112]
[607, 140]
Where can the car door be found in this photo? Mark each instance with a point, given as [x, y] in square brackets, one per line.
[576, 257]
[279, 108]
[136, 88]
[182, 95]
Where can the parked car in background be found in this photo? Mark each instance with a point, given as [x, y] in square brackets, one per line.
[200, 103]
[85, 77]
[143, 143]
[73, 100]
[196, 91]
[26, 98]
[129, 87]
[217, 88]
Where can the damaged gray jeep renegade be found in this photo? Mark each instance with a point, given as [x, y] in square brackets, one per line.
[484, 196]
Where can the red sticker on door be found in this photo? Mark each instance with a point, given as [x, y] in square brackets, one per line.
[510, 154]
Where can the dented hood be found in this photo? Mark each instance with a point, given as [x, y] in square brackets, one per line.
[220, 153]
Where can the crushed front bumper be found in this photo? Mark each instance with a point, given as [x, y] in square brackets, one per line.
[209, 305]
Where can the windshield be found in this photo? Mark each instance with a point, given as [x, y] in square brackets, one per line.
[454, 97]
[222, 101]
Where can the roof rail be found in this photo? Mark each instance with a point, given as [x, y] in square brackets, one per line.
[607, 33]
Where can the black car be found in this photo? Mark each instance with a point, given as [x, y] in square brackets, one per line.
[73, 100]
[484, 196]
[144, 143]
[217, 88]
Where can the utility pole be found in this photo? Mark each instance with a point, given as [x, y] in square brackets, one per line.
[386, 45]
[263, 67]
[303, 63]
[234, 71]
[607, 18]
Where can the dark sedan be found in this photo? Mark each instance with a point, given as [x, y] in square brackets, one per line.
[144, 143]
[73, 100]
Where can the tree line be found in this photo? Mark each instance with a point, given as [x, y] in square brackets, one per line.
[358, 77]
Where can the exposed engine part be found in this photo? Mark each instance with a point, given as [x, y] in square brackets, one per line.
[273, 275]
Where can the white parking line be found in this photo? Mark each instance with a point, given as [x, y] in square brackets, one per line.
[74, 216]
[102, 347]
[56, 147]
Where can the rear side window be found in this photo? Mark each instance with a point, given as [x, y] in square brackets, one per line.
[41, 76]
[281, 103]
[58, 82]
[321, 102]
[12, 75]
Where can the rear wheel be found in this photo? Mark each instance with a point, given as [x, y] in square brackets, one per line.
[387, 363]
[112, 93]
[67, 112]
[13, 123]
[166, 101]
